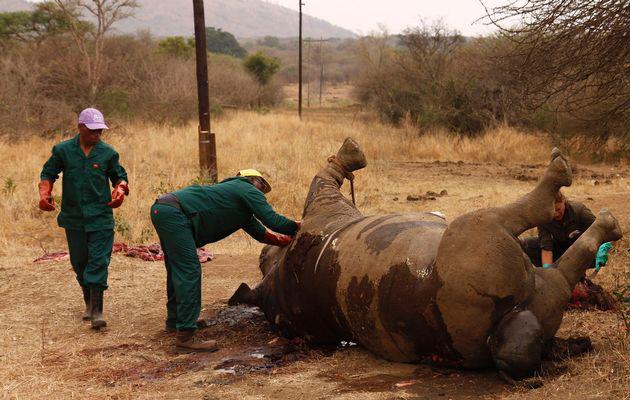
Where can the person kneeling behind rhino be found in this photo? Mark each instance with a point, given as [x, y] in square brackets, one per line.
[196, 215]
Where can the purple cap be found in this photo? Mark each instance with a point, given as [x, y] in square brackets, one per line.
[92, 118]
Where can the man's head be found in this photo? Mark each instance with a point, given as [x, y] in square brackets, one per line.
[256, 179]
[91, 125]
[559, 205]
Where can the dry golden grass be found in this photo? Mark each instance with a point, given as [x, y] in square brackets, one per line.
[48, 353]
[160, 158]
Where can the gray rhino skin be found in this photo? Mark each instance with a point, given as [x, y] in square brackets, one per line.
[409, 287]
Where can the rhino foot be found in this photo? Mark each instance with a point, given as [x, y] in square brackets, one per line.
[351, 156]
[559, 170]
[607, 222]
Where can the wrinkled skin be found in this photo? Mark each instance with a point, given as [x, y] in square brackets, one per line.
[409, 287]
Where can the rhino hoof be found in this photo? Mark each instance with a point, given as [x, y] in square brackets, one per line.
[609, 224]
[351, 156]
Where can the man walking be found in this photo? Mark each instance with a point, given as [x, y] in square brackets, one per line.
[196, 215]
[88, 165]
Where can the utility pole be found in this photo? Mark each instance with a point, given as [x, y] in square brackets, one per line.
[207, 142]
[300, 65]
[321, 73]
[308, 74]
[321, 67]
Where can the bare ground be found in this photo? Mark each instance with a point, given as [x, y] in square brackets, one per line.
[48, 352]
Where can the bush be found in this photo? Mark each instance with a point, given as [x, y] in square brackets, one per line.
[43, 87]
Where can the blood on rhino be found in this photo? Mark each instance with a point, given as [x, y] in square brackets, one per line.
[411, 287]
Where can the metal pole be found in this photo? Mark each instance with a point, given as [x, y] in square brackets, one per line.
[207, 142]
[308, 74]
[300, 66]
[321, 74]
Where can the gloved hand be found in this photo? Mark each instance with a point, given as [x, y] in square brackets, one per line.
[118, 194]
[46, 202]
[276, 239]
[602, 255]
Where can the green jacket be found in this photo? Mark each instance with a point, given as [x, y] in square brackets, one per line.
[85, 187]
[219, 210]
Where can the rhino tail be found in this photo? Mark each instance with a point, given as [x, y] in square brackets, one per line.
[244, 295]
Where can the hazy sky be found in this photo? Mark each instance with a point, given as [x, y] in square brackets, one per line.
[363, 16]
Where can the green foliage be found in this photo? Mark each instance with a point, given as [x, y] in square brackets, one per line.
[270, 41]
[33, 26]
[204, 179]
[222, 42]
[122, 226]
[177, 46]
[262, 67]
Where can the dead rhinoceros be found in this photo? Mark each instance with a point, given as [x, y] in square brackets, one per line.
[409, 287]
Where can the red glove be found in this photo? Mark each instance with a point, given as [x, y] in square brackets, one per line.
[276, 239]
[118, 194]
[46, 202]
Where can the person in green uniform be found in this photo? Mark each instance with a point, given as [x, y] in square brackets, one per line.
[88, 165]
[196, 215]
[570, 220]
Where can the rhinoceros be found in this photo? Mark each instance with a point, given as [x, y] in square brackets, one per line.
[410, 287]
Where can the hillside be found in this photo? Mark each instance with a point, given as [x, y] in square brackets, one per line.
[243, 18]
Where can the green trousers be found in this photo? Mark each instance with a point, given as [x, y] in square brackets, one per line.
[90, 254]
[183, 270]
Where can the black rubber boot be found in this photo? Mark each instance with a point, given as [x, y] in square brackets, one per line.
[96, 301]
[87, 314]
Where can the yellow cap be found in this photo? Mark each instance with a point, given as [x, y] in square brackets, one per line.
[254, 173]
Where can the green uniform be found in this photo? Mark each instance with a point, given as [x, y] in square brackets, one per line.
[206, 214]
[88, 221]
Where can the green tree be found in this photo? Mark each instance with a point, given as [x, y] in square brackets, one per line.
[270, 41]
[33, 26]
[262, 67]
[222, 42]
[176, 46]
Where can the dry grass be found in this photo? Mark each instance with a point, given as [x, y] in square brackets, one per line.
[47, 353]
[160, 158]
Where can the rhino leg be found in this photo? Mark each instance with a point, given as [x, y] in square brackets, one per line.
[554, 285]
[517, 344]
[324, 200]
[536, 207]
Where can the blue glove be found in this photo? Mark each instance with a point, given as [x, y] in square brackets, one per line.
[547, 265]
[602, 255]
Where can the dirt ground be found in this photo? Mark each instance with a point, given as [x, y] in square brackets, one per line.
[48, 352]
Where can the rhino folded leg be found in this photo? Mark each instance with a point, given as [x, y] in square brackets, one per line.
[517, 344]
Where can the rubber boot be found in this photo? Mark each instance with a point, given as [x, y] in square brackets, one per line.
[87, 314]
[186, 342]
[96, 300]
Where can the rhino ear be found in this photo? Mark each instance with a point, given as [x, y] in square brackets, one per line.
[243, 295]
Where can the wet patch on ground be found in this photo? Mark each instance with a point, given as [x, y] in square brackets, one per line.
[248, 345]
